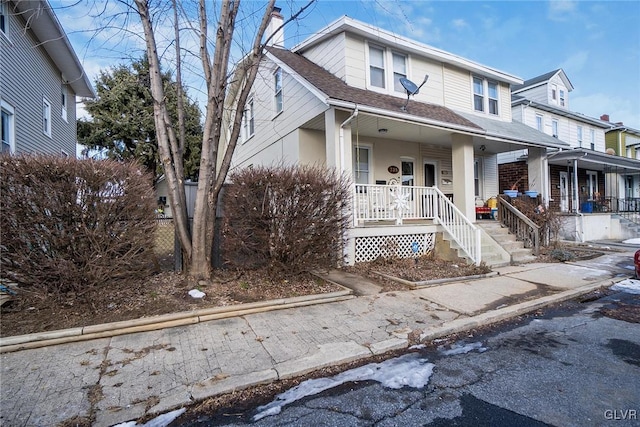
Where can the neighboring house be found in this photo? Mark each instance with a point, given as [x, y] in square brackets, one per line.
[583, 179]
[40, 77]
[624, 141]
[337, 99]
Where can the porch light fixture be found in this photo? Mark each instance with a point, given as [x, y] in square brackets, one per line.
[483, 147]
[383, 130]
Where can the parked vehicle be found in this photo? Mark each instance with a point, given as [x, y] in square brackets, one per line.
[636, 262]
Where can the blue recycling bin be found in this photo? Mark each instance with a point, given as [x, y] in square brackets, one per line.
[587, 207]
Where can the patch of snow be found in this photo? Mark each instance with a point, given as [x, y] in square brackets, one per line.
[634, 241]
[462, 349]
[411, 370]
[417, 347]
[196, 293]
[630, 286]
[159, 421]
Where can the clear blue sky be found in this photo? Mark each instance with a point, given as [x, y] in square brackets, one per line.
[597, 43]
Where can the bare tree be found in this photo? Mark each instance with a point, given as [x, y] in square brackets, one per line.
[216, 155]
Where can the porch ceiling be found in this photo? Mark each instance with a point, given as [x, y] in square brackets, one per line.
[594, 160]
[369, 125]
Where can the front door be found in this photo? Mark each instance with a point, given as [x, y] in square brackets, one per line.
[564, 192]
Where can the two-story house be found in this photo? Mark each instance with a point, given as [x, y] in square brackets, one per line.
[40, 77]
[624, 141]
[420, 160]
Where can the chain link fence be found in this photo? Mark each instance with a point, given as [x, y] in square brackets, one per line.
[164, 244]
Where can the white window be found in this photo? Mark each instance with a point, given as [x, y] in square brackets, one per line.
[579, 136]
[593, 139]
[376, 67]
[361, 164]
[554, 93]
[399, 71]
[46, 117]
[561, 98]
[64, 101]
[629, 152]
[477, 172]
[4, 17]
[539, 122]
[493, 98]
[7, 128]
[248, 121]
[592, 184]
[279, 104]
[478, 94]
[482, 103]
[554, 128]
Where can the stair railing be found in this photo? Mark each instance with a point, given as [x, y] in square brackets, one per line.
[519, 224]
[458, 226]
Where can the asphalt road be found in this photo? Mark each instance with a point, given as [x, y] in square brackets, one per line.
[567, 366]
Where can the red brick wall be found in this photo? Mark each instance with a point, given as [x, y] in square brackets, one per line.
[508, 173]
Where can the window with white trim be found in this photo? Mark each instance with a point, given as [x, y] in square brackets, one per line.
[279, 102]
[64, 101]
[484, 103]
[248, 122]
[7, 128]
[539, 122]
[561, 98]
[399, 70]
[4, 17]
[376, 67]
[554, 93]
[361, 164]
[580, 136]
[593, 139]
[554, 128]
[46, 117]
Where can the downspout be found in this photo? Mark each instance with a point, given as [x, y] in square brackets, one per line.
[576, 191]
[341, 137]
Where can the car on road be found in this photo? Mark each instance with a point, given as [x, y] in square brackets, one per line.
[636, 262]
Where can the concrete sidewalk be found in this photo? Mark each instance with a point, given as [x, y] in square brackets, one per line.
[122, 378]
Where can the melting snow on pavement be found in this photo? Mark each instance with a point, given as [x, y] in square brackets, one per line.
[161, 421]
[410, 370]
[630, 286]
[456, 348]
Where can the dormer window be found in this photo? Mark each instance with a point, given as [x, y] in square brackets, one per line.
[554, 93]
[562, 102]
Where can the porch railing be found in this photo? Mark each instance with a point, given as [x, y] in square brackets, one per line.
[520, 225]
[399, 203]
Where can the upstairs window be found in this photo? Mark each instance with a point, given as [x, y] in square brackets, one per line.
[493, 98]
[277, 76]
[248, 121]
[480, 101]
[399, 71]
[539, 122]
[562, 98]
[46, 117]
[478, 94]
[580, 136]
[554, 128]
[593, 139]
[376, 67]
[554, 93]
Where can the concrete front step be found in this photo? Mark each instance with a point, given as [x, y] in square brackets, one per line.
[507, 241]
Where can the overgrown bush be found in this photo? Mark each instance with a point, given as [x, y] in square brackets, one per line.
[286, 218]
[548, 220]
[562, 255]
[68, 225]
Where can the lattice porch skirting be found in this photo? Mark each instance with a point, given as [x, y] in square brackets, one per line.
[402, 246]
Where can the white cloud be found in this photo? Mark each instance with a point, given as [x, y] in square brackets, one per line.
[575, 62]
[619, 109]
[459, 23]
[562, 10]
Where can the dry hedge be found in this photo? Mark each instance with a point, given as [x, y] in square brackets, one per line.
[288, 218]
[69, 224]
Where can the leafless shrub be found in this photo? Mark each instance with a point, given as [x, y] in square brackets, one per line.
[287, 218]
[68, 225]
[548, 220]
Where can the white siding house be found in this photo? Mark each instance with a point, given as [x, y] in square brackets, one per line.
[40, 77]
[344, 106]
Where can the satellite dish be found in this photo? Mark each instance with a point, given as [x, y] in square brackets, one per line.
[411, 88]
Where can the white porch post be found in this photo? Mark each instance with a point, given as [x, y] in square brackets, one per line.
[462, 170]
[539, 172]
[332, 128]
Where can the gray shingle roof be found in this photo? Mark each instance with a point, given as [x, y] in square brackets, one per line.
[542, 78]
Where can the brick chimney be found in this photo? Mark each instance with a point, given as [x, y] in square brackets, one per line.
[275, 23]
[604, 117]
